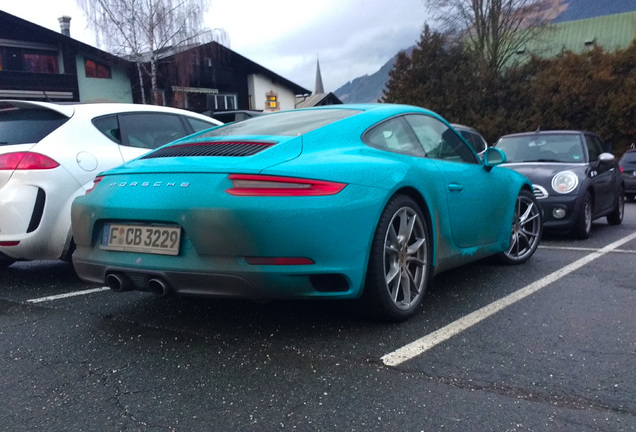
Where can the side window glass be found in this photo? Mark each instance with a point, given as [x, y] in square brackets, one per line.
[392, 135]
[593, 148]
[474, 140]
[438, 140]
[199, 125]
[479, 144]
[605, 147]
[150, 130]
[109, 126]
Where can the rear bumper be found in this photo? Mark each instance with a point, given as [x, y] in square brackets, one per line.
[257, 283]
[35, 214]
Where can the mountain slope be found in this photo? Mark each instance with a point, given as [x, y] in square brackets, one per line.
[367, 88]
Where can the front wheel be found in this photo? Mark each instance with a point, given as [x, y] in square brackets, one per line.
[616, 216]
[527, 228]
[399, 262]
[583, 225]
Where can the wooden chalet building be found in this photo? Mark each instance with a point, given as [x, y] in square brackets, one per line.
[40, 64]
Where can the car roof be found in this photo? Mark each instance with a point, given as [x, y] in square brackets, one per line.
[101, 108]
[464, 127]
[549, 132]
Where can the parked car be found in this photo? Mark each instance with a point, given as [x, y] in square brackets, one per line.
[233, 116]
[337, 202]
[627, 164]
[472, 136]
[50, 153]
[575, 178]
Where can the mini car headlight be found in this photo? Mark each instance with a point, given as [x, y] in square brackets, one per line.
[565, 182]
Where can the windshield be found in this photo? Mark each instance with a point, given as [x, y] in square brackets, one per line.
[291, 123]
[542, 148]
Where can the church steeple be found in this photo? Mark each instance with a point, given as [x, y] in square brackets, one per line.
[318, 89]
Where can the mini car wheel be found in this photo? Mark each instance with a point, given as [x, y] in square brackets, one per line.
[583, 224]
[399, 264]
[616, 216]
[527, 227]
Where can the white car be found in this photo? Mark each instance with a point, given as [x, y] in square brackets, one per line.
[50, 153]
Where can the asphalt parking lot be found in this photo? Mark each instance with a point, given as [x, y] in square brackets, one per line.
[545, 346]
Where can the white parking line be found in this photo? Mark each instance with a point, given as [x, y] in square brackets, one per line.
[427, 342]
[579, 249]
[71, 294]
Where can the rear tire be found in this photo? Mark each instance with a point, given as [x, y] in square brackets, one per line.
[399, 262]
[527, 228]
[5, 261]
[616, 216]
[583, 225]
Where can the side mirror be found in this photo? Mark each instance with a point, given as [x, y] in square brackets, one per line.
[606, 158]
[493, 157]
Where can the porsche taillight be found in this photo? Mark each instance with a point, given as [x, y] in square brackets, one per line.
[263, 185]
[26, 161]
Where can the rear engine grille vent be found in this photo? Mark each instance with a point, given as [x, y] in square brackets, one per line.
[217, 148]
[539, 192]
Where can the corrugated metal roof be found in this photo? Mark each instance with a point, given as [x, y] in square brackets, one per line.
[611, 32]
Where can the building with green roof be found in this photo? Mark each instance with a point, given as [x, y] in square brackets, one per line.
[611, 32]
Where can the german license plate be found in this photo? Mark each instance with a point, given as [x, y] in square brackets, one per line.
[150, 239]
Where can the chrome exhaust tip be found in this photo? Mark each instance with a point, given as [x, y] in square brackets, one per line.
[158, 287]
[118, 282]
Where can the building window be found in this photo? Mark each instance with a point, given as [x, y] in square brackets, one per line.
[40, 62]
[96, 70]
[27, 60]
[271, 101]
[221, 102]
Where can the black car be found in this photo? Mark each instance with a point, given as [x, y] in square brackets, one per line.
[575, 177]
[627, 164]
[233, 116]
[472, 136]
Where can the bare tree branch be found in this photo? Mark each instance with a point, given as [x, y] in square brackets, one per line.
[142, 29]
[495, 29]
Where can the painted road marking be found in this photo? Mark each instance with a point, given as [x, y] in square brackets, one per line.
[71, 294]
[582, 249]
[427, 342]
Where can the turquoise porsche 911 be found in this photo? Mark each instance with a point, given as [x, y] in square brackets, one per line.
[363, 202]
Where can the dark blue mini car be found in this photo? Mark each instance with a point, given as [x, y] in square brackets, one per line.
[574, 176]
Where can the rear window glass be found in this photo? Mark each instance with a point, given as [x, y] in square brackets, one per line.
[199, 125]
[285, 123]
[629, 157]
[150, 130]
[26, 126]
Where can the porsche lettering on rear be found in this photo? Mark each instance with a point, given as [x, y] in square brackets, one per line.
[150, 184]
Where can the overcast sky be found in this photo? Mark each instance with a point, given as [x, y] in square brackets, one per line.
[351, 38]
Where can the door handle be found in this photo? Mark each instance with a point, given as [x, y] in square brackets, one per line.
[454, 187]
